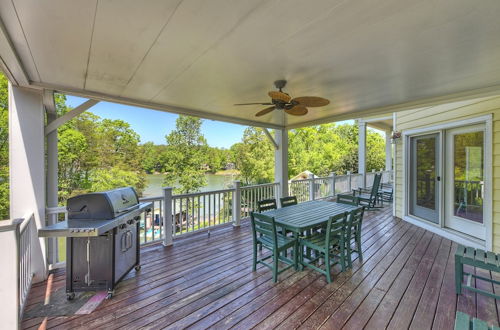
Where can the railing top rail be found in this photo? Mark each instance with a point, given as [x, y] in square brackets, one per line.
[10, 225]
[26, 222]
[55, 210]
[260, 185]
[196, 194]
[300, 180]
[150, 199]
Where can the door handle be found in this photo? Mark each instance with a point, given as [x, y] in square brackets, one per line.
[438, 178]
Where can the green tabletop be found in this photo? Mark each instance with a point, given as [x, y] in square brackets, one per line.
[303, 216]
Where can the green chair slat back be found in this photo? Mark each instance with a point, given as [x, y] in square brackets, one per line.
[266, 205]
[273, 241]
[370, 200]
[465, 322]
[264, 225]
[477, 258]
[376, 184]
[288, 201]
[353, 231]
[334, 235]
[348, 199]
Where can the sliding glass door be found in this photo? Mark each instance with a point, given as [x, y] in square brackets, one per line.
[465, 180]
[425, 177]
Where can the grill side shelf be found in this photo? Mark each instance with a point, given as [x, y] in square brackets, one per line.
[89, 228]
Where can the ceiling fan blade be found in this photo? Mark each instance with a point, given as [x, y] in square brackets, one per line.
[279, 96]
[263, 112]
[297, 110]
[311, 101]
[259, 103]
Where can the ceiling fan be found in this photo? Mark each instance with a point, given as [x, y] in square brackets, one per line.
[282, 101]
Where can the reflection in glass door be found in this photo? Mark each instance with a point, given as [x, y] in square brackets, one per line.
[465, 180]
[424, 177]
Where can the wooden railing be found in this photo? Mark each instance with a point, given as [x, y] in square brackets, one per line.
[24, 242]
[250, 195]
[194, 212]
[17, 267]
[327, 187]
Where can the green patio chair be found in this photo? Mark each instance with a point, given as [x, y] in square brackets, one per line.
[266, 205]
[328, 245]
[386, 192]
[288, 201]
[353, 234]
[369, 197]
[270, 239]
[348, 199]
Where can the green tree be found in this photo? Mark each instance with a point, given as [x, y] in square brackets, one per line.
[4, 148]
[254, 157]
[186, 154]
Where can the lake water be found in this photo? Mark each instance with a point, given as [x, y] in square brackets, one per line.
[154, 183]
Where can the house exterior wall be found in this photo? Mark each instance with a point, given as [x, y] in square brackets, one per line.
[446, 113]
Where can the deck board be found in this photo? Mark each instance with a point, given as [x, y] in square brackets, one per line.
[406, 279]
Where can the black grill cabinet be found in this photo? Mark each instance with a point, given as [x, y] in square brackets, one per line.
[102, 239]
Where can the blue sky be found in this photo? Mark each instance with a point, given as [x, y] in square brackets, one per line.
[153, 125]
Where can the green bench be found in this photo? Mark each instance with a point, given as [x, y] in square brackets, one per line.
[465, 322]
[477, 258]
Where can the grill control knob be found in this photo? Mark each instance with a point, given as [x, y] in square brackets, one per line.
[130, 222]
[137, 218]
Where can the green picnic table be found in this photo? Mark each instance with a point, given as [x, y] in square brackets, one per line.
[304, 216]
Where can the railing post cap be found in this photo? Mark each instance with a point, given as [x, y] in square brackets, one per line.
[167, 188]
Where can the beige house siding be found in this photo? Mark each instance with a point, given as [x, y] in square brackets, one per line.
[448, 113]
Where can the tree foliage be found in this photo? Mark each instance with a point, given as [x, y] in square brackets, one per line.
[97, 154]
[4, 148]
[186, 155]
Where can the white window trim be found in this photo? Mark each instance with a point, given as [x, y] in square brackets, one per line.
[487, 120]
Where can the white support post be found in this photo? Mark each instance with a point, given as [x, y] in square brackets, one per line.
[167, 216]
[27, 167]
[388, 151]
[281, 160]
[349, 181]
[277, 194]
[52, 172]
[393, 171]
[312, 194]
[237, 204]
[362, 151]
[332, 175]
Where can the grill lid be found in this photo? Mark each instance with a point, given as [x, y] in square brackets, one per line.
[102, 205]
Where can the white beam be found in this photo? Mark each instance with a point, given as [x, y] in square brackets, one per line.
[156, 106]
[27, 165]
[491, 91]
[270, 137]
[362, 150]
[388, 151]
[380, 126]
[9, 61]
[281, 161]
[55, 124]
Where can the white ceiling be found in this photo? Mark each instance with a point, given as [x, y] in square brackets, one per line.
[202, 56]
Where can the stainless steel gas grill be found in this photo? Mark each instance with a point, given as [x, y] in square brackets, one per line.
[102, 239]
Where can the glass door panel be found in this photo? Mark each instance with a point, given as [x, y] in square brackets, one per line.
[465, 180]
[424, 177]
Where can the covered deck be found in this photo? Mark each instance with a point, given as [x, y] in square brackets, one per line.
[405, 280]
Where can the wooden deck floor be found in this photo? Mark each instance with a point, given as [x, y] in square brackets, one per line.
[406, 280]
